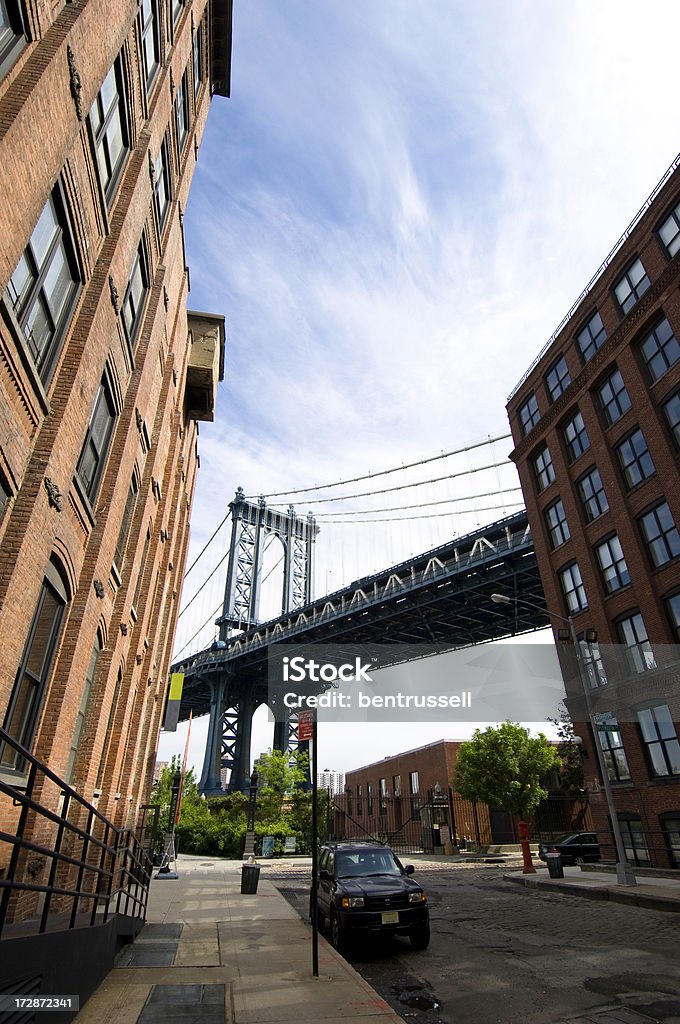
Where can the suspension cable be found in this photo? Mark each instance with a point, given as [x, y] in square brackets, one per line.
[386, 472]
[428, 515]
[207, 543]
[422, 504]
[203, 584]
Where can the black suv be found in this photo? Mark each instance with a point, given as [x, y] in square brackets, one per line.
[580, 848]
[362, 887]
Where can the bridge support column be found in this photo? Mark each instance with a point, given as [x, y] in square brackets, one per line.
[286, 739]
[211, 782]
[239, 780]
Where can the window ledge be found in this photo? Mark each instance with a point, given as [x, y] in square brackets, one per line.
[16, 779]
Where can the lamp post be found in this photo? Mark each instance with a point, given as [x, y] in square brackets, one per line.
[624, 871]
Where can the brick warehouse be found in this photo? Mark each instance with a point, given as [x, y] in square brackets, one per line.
[596, 424]
[408, 797]
[103, 375]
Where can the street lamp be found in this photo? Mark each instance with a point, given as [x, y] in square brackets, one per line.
[624, 872]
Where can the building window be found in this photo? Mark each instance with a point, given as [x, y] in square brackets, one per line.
[660, 739]
[671, 409]
[5, 495]
[44, 285]
[109, 129]
[671, 828]
[660, 350]
[557, 379]
[591, 659]
[556, 523]
[177, 6]
[382, 785]
[631, 286]
[660, 532]
[12, 35]
[150, 41]
[197, 54]
[396, 785]
[182, 114]
[633, 634]
[669, 232]
[612, 564]
[592, 337]
[528, 414]
[593, 498]
[369, 799]
[135, 295]
[573, 589]
[35, 668]
[634, 459]
[612, 748]
[614, 398]
[126, 522]
[576, 437]
[161, 185]
[82, 710]
[634, 842]
[140, 570]
[543, 468]
[350, 801]
[673, 609]
[97, 439]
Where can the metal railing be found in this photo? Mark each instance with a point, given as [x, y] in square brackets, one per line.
[66, 867]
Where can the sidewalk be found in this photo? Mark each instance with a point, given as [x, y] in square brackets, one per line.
[651, 893]
[208, 955]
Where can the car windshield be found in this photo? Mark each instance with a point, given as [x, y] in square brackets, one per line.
[366, 862]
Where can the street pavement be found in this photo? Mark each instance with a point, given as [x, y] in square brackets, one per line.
[535, 953]
[210, 955]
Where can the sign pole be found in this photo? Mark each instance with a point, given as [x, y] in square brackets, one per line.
[307, 730]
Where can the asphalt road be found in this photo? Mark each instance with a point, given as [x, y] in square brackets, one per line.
[501, 953]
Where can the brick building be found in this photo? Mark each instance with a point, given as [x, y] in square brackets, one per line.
[103, 375]
[596, 424]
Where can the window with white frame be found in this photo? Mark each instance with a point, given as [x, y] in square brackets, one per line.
[660, 739]
[613, 398]
[591, 659]
[632, 633]
[557, 379]
[612, 564]
[556, 524]
[150, 41]
[593, 498]
[592, 337]
[177, 7]
[543, 469]
[44, 285]
[573, 589]
[182, 114]
[660, 534]
[576, 437]
[12, 34]
[634, 459]
[108, 119]
[669, 232]
[631, 286]
[613, 750]
[161, 185]
[660, 350]
[197, 58]
[135, 295]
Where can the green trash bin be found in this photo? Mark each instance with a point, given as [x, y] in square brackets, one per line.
[555, 867]
[250, 876]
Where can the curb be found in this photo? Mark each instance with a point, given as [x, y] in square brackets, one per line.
[647, 901]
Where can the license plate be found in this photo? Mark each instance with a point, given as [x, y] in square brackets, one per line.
[390, 917]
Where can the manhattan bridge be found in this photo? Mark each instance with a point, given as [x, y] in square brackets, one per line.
[263, 548]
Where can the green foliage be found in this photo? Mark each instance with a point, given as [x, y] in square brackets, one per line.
[571, 769]
[279, 775]
[161, 793]
[504, 767]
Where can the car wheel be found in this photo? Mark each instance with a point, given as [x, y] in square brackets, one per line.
[420, 937]
[338, 937]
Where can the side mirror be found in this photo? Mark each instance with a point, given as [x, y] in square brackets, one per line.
[409, 869]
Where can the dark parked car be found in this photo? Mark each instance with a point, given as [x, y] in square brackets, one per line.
[580, 848]
[362, 887]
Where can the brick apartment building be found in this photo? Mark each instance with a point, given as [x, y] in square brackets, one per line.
[596, 425]
[103, 376]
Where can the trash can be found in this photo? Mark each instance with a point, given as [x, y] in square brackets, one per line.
[250, 876]
[554, 862]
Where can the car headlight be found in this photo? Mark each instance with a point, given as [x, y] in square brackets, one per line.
[352, 901]
[417, 897]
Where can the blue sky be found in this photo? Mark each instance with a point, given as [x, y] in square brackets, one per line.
[393, 211]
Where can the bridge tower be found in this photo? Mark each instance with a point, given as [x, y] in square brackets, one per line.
[231, 706]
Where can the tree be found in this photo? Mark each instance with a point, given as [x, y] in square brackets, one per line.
[504, 767]
[279, 775]
[571, 768]
[162, 791]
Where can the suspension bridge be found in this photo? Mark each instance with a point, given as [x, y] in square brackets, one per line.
[441, 596]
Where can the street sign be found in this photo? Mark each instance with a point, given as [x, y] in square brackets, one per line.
[305, 726]
[607, 727]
